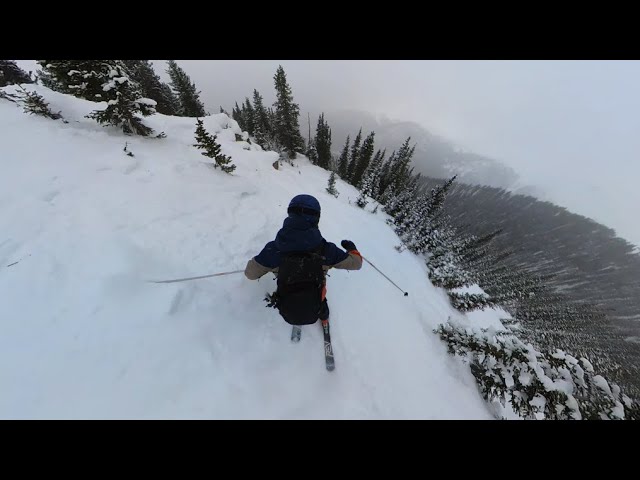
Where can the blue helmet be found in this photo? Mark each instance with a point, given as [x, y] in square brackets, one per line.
[304, 204]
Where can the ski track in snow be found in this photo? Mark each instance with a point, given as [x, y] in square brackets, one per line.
[84, 335]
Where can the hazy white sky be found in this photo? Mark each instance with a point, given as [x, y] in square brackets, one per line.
[495, 107]
[571, 127]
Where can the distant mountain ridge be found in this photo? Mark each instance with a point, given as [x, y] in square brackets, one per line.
[434, 156]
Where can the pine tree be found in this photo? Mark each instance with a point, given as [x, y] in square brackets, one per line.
[370, 181]
[415, 180]
[81, 78]
[261, 125]
[397, 205]
[396, 174]
[272, 125]
[479, 247]
[414, 218]
[400, 172]
[414, 222]
[247, 115]
[445, 267]
[364, 158]
[385, 188]
[185, 90]
[124, 100]
[287, 129]
[168, 103]
[438, 195]
[362, 200]
[353, 158]
[35, 104]
[445, 272]
[272, 141]
[552, 385]
[272, 121]
[312, 153]
[441, 238]
[467, 302]
[239, 117]
[205, 141]
[142, 72]
[343, 160]
[410, 216]
[12, 74]
[331, 188]
[323, 143]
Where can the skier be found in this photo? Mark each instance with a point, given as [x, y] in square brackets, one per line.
[301, 257]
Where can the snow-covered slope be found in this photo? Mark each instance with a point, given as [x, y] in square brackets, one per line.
[83, 334]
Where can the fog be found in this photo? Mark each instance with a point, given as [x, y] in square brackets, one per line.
[568, 127]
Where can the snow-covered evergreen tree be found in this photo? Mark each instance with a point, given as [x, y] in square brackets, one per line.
[444, 244]
[369, 183]
[364, 159]
[445, 272]
[343, 160]
[353, 157]
[12, 74]
[286, 127]
[396, 204]
[375, 172]
[362, 200]
[312, 153]
[81, 78]
[467, 302]
[239, 117]
[331, 187]
[323, 143]
[537, 384]
[207, 142]
[35, 104]
[517, 287]
[438, 195]
[261, 127]
[479, 248]
[168, 103]
[415, 223]
[186, 91]
[124, 100]
[248, 116]
[142, 72]
[399, 172]
[385, 189]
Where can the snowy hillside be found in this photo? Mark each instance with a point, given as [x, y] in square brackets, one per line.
[83, 334]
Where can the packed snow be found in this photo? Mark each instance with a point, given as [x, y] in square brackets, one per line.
[83, 334]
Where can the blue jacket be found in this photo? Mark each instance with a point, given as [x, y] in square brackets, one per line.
[299, 233]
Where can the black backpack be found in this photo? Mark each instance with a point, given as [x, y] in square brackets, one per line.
[300, 282]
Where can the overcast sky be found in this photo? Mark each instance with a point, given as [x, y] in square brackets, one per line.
[571, 127]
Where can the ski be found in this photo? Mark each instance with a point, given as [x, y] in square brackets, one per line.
[296, 331]
[328, 350]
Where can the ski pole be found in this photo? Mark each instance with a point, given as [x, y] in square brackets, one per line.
[406, 294]
[194, 278]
